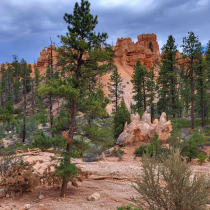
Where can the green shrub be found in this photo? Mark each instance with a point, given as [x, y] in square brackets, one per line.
[42, 141]
[42, 116]
[118, 151]
[80, 145]
[201, 158]
[199, 139]
[182, 123]
[31, 128]
[128, 207]
[154, 147]
[19, 116]
[94, 153]
[18, 111]
[121, 116]
[189, 148]
[170, 184]
[140, 151]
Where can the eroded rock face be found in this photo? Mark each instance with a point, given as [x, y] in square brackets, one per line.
[44, 58]
[130, 52]
[143, 130]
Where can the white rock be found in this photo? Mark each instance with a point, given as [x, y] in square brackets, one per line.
[95, 196]
[7, 195]
[41, 196]
[27, 206]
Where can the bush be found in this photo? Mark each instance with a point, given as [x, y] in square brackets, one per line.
[20, 177]
[201, 158]
[140, 151]
[118, 151]
[128, 207]
[80, 145]
[31, 128]
[42, 116]
[94, 153]
[182, 123]
[18, 111]
[121, 116]
[42, 141]
[171, 185]
[189, 148]
[154, 147]
[199, 139]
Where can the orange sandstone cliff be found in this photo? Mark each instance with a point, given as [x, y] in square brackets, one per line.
[127, 53]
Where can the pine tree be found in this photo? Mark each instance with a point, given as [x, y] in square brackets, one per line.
[3, 84]
[167, 79]
[139, 80]
[116, 89]
[26, 81]
[9, 105]
[80, 60]
[189, 50]
[121, 116]
[16, 74]
[200, 83]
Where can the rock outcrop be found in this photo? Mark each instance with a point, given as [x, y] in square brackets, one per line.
[44, 58]
[143, 130]
[130, 52]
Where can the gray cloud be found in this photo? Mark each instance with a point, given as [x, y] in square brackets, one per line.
[26, 26]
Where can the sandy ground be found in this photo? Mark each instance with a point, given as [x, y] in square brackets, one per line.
[115, 189]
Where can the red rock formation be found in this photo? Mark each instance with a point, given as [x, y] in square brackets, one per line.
[44, 58]
[130, 52]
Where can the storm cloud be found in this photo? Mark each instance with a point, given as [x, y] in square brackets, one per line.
[26, 26]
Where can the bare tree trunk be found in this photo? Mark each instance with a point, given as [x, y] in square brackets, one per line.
[192, 100]
[24, 116]
[51, 73]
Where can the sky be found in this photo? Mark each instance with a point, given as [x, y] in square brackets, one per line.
[26, 26]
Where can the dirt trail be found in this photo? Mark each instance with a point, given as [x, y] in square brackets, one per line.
[111, 179]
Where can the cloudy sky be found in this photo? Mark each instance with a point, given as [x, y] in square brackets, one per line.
[27, 25]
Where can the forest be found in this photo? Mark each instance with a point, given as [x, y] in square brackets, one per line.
[81, 126]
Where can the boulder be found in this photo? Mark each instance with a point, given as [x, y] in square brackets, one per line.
[164, 128]
[143, 130]
[95, 196]
[27, 206]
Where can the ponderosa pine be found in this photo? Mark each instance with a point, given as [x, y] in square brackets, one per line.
[79, 59]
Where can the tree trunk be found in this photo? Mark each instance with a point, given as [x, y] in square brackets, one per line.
[51, 74]
[24, 116]
[202, 109]
[192, 99]
[69, 145]
[145, 106]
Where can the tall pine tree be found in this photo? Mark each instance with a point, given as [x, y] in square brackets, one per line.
[139, 80]
[167, 79]
[189, 46]
[116, 89]
[80, 61]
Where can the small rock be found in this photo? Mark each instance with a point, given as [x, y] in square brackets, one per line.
[7, 195]
[41, 196]
[116, 200]
[95, 196]
[102, 204]
[27, 206]
[2, 193]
